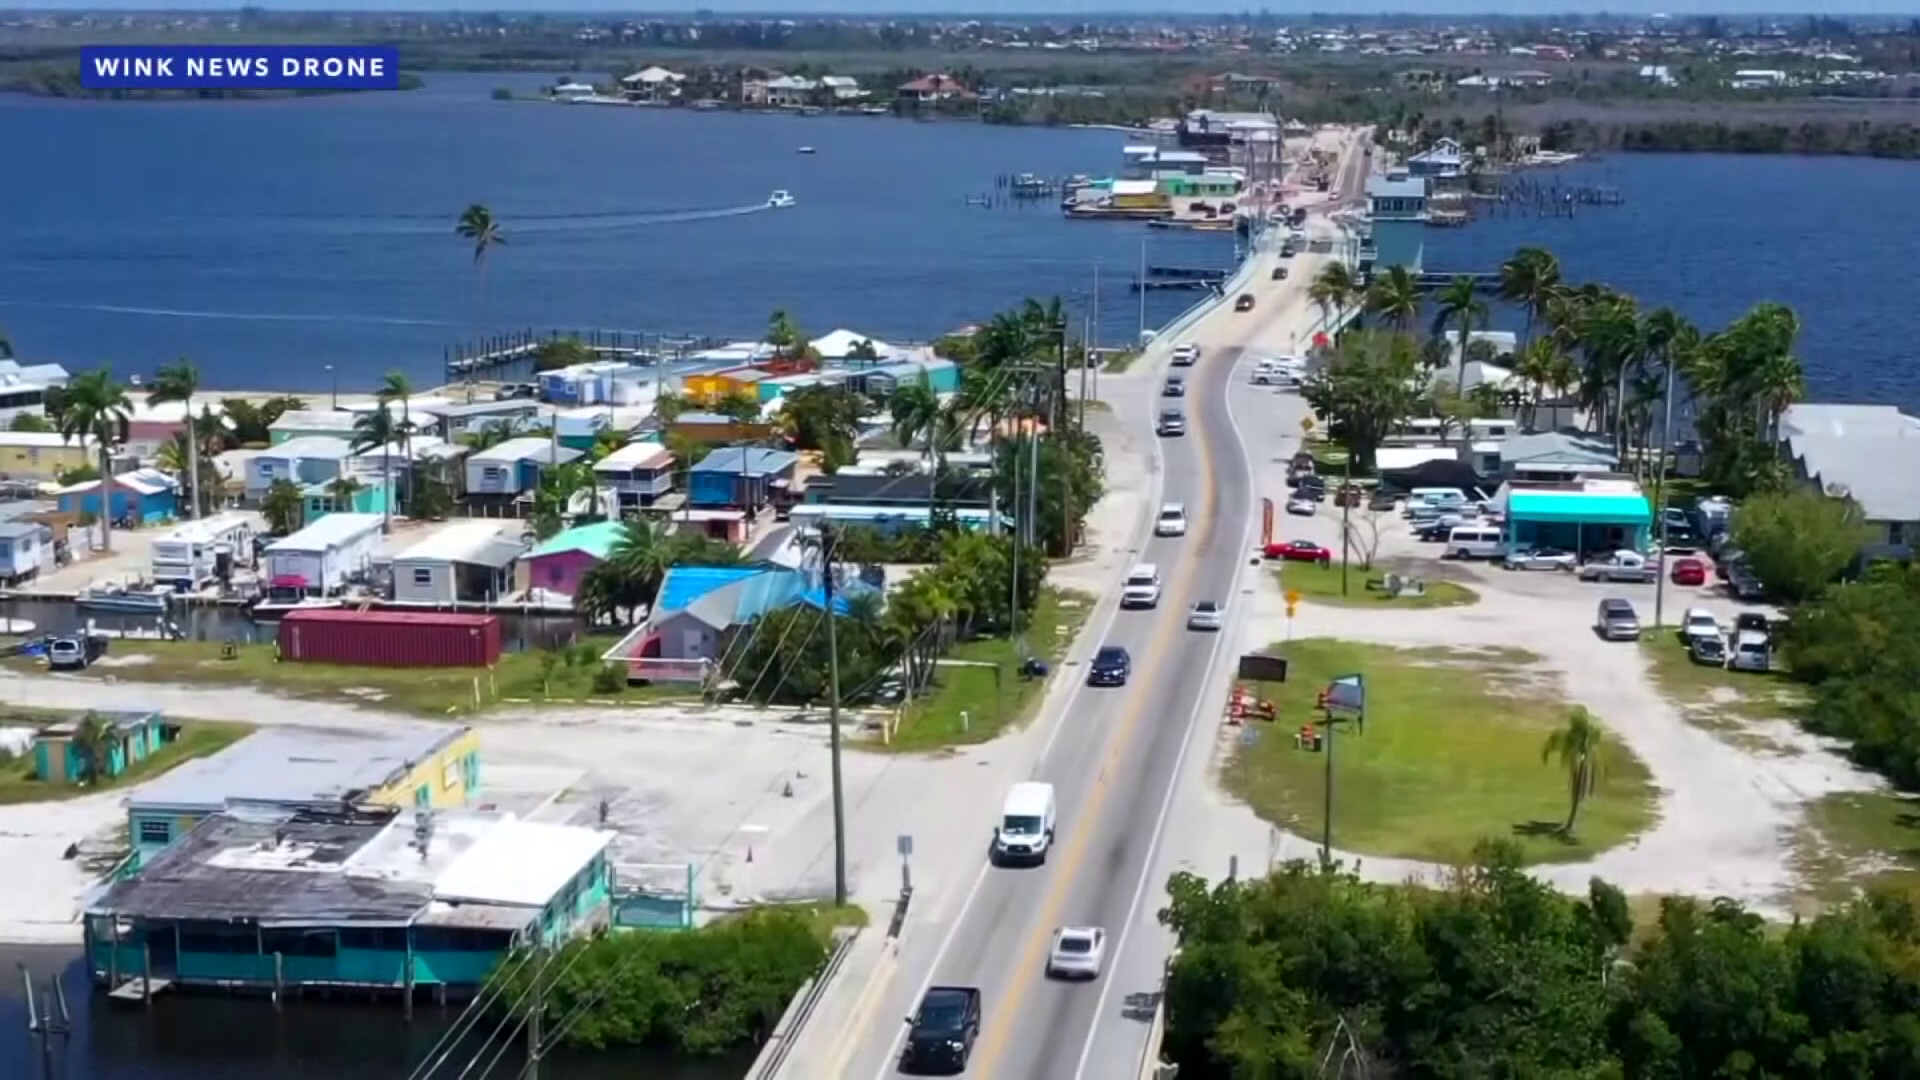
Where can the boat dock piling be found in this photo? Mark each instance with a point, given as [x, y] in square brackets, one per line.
[1187, 272]
[502, 356]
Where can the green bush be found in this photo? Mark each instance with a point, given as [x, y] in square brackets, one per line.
[609, 678]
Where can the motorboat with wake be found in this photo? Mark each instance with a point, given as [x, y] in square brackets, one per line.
[779, 200]
[270, 608]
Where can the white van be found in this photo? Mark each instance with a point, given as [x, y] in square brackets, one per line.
[1476, 542]
[1025, 832]
[1446, 498]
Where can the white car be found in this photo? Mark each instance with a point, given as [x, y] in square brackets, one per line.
[1302, 505]
[1541, 558]
[1186, 355]
[1172, 521]
[1699, 623]
[1077, 952]
[1206, 615]
[1142, 587]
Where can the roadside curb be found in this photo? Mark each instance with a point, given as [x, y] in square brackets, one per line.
[863, 1007]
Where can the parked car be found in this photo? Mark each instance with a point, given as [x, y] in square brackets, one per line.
[1752, 622]
[1744, 584]
[1244, 303]
[1110, 667]
[1382, 500]
[1077, 952]
[941, 1032]
[1751, 651]
[1688, 572]
[1540, 558]
[1302, 505]
[75, 652]
[1620, 566]
[1708, 651]
[1298, 551]
[1206, 615]
[1279, 273]
[1617, 621]
[1349, 496]
[1700, 623]
[1726, 561]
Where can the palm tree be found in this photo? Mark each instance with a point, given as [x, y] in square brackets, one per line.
[916, 410]
[6, 346]
[395, 386]
[96, 407]
[1395, 297]
[1332, 289]
[1530, 279]
[341, 489]
[476, 226]
[375, 429]
[283, 506]
[1535, 369]
[1576, 748]
[93, 741]
[179, 381]
[174, 456]
[1462, 309]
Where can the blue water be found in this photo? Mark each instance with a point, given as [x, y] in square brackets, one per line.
[267, 240]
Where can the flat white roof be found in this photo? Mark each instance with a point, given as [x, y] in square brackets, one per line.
[321, 419]
[328, 533]
[521, 863]
[1028, 797]
[1407, 457]
[454, 543]
[325, 447]
[631, 456]
[205, 529]
[38, 439]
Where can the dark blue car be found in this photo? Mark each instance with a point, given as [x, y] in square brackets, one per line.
[1110, 667]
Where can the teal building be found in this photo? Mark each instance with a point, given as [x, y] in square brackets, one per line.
[1397, 203]
[369, 497]
[376, 899]
[125, 739]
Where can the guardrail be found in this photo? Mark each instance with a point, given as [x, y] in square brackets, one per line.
[773, 1054]
[1241, 277]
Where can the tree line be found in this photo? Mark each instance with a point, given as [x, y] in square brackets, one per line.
[1311, 973]
[1585, 345]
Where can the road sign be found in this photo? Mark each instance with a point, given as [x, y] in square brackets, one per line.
[1306, 424]
[904, 845]
[1293, 597]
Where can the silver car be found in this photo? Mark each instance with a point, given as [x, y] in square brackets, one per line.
[1077, 952]
[1206, 615]
[1616, 620]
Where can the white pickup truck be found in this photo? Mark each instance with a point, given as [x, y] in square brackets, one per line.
[1621, 566]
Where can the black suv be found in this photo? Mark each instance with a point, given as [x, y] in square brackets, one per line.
[1110, 667]
[941, 1033]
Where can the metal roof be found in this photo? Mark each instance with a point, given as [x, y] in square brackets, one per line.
[1587, 507]
[751, 460]
[1869, 452]
[480, 543]
[328, 533]
[292, 766]
[597, 540]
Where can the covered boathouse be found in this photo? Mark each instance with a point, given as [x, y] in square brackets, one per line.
[373, 899]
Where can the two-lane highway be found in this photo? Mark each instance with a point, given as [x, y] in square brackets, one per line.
[1114, 761]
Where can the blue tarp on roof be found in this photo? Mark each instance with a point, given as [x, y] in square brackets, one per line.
[682, 585]
[728, 595]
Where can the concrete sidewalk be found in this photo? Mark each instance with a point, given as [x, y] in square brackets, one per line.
[844, 1012]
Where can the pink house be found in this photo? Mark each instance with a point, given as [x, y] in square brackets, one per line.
[150, 427]
[558, 564]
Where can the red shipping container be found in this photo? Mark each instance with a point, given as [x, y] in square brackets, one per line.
[409, 639]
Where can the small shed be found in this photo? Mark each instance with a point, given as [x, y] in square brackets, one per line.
[26, 548]
[143, 496]
[128, 739]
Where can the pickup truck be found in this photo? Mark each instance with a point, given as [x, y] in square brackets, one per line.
[1625, 566]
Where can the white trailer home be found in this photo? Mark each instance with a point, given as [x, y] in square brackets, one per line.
[188, 556]
[318, 560]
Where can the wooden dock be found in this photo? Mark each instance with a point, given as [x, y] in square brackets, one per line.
[139, 989]
[502, 357]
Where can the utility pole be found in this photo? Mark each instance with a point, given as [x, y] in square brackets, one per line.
[1059, 434]
[1140, 342]
[1093, 329]
[1346, 528]
[827, 544]
[534, 1019]
[1660, 499]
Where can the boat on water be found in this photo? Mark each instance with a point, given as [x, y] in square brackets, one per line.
[269, 608]
[806, 149]
[780, 200]
[128, 599]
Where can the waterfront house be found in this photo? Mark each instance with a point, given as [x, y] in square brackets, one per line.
[514, 414]
[23, 389]
[879, 383]
[638, 473]
[26, 549]
[932, 90]
[842, 345]
[698, 605]
[514, 467]
[149, 427]
[369, 497]
[558, 563]
[1444, 158]
[739, 476]
[713, 387]
[1867, 453]
[385, 902]
[307, 423]
[466, 562]
[581, 427]
[597, 382]
[43, 455]
[292, 768]
[713, 429]
[1397, 202]
[1587, 517]
[131, 738]
[916, 490]
[311, 459]
[321, 558]
[191, 553]
[842, 88]
[143, 496]
[792, 91]
[652, 84]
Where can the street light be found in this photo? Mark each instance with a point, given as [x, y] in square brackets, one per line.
[334, 381]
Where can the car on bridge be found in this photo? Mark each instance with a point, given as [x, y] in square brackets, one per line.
[1244, 303]
[941, 1033]
[1077, 952]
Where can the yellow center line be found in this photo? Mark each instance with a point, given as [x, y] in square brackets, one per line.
[993, 1041]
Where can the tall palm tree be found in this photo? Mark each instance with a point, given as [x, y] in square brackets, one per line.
[6, 346]
[341, 489]
[395, 386]
[915, 409]
[95, 406]
[477, 226]
[1460, 308]
[376, 429]
[1530, 279]
[1577, 749]
[1332, 290]
[93, 742]
[179, 381]
[1395, 297]
[174, 455]
[1535, 368]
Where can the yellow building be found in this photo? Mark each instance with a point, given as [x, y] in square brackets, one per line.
[716, 386]
[414, 765]
[42, 455]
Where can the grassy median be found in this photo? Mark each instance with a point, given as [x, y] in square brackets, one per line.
[1449, 755]
[1318, 584]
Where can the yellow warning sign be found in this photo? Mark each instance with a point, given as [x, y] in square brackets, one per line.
[1293, 597]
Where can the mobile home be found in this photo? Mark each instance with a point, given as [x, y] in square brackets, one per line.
[190, 555]
[320, 558]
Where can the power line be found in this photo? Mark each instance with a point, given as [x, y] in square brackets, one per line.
[469, 1017]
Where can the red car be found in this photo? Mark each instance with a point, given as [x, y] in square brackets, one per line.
[1688, 572]
[1299, 551]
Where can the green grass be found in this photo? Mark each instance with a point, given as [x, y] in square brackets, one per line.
[982, 679]
[1718, 700]
[1450, 755]
[1117, 363]
[196, 738]
[424, 691]
[1318, 584]
[1852, 841]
